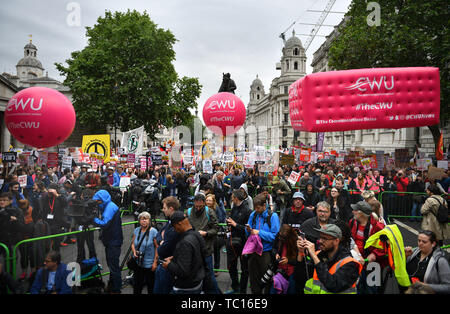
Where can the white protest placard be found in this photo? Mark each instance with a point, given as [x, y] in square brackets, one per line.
[293, 178]
[124, 182]
[143, 161]
[249, 160]
[22, 180]
[422, 164]
[228, 157]
[67, 162]
[207, 166]
[442, 164]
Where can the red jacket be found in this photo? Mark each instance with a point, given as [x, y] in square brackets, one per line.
[402, 183]
[373, 226]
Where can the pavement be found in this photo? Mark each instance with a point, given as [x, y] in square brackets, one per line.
[69, 253]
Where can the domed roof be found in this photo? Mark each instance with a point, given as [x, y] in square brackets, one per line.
[256, 81]
[30, 46]
[31, 62]
[293, 41]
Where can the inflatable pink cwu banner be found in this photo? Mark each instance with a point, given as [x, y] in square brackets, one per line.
[378, 98]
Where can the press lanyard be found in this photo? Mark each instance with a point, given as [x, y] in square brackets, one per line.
[52, 205]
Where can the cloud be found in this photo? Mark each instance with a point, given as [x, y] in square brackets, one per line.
[214, 36]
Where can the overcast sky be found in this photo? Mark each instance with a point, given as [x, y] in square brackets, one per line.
[214, 36]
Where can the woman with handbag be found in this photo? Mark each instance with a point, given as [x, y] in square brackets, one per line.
[145, 257]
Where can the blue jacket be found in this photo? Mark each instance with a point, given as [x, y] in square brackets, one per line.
[111, 223]
[61, 286]
[266, 234]
[116, 177]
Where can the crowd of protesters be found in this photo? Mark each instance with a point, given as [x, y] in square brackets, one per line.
[271, 227]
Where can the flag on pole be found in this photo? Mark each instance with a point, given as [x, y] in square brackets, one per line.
[133, 141]
[440, 147]
[205, 152]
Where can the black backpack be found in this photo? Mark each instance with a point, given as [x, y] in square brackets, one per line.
[442, 212]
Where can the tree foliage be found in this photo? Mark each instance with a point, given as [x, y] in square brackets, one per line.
[412, 33]
[125, 78]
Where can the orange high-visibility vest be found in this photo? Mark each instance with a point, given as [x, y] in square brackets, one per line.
[314, 286]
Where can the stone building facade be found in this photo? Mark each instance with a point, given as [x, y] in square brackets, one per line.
[267, 122]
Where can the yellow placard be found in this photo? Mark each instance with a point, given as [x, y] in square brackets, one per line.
[98, 145]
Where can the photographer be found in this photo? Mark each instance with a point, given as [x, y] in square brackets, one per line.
[111, 236]
[327, 277]
[402, 201]
[144, 252]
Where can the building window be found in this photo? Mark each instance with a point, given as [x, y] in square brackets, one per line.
[286, 89]
[295, 51]
[257, 97]
[287, 65]
[286, 103]
[295, 65]
[285, 132]
[286, 118]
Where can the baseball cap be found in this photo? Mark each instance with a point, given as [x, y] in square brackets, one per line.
[69, 181]
[298, 195]
[362, 206]
[177, 217]
[110, 168]
[90, 170]
[331, 230]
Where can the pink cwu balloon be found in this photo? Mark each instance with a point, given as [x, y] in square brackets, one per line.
[224, 113]
[40, 117]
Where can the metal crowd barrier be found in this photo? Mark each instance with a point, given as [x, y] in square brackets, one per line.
[14, 257]
[402, 204]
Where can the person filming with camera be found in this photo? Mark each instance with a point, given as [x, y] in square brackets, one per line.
[111, 236]
[335, 270]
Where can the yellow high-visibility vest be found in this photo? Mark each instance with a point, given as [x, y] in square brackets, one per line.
[314, 286]
[397, 251]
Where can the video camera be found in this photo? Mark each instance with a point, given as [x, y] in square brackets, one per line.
[83, 211]
[222, 232]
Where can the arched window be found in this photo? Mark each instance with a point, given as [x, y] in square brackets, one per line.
[257, 97]
[295, 51]
[295, 65]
